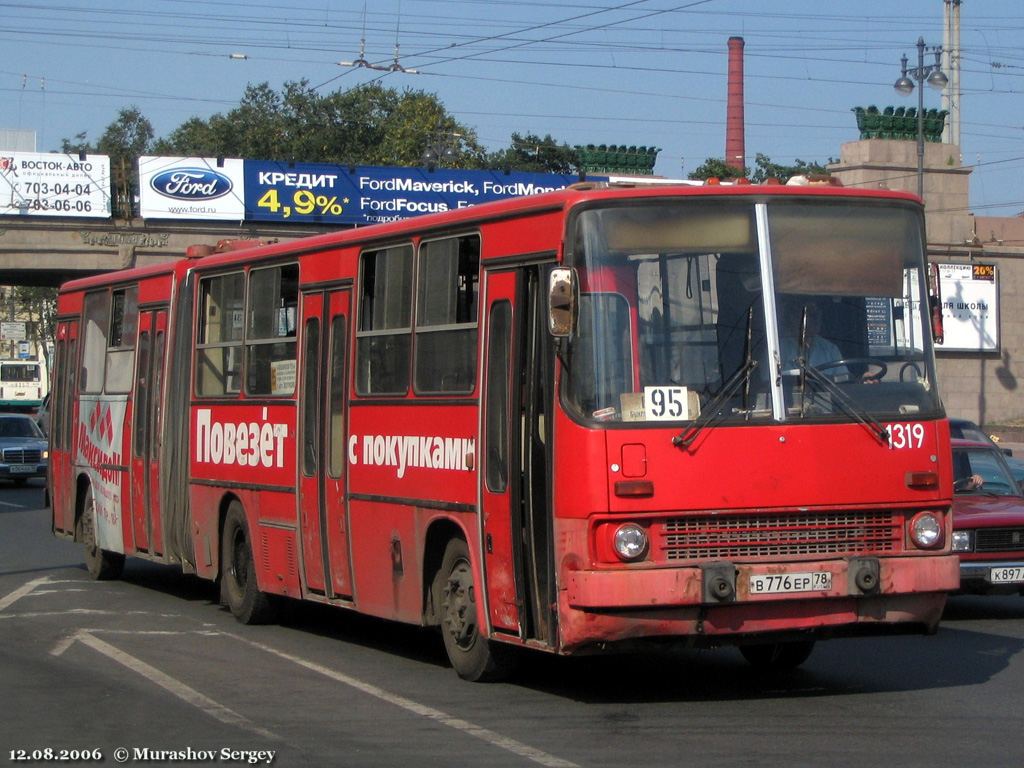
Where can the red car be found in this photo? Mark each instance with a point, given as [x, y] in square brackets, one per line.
[988, 520]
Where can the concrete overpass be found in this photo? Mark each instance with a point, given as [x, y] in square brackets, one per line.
[48, 252]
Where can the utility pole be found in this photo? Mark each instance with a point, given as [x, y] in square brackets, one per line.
[951, 65]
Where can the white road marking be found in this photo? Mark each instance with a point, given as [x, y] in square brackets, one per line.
[484, 734]
[69, 612]
[165, 681]
[21, 591]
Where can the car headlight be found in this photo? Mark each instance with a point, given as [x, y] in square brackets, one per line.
[630, 542]
[962, 541]
[46, 454]
[926, 530]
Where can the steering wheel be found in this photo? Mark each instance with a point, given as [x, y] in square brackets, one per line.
[916, 368]
[870, 362]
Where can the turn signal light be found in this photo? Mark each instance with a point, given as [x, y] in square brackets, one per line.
[634, 488]
[923, 481]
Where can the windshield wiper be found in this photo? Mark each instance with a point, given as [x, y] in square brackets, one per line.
[712, 410]
[742, 377]
[860, 414]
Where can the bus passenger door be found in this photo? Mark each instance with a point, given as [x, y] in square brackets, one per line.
[145, 475]
[499, 479]
[63, 426]
[323, 518]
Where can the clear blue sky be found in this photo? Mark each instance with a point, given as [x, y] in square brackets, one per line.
[647, 72]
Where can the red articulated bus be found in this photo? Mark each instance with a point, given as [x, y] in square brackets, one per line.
[568, 422]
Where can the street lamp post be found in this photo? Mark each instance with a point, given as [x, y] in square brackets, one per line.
[931, 74]
[441, 146]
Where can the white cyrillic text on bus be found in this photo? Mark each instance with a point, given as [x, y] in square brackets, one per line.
[247, 444]
[404, 451]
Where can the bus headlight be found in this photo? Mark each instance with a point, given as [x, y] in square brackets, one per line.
[926, 530]
[962, 541]
[630, 542]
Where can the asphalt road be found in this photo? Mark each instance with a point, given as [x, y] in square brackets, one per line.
[152, 663]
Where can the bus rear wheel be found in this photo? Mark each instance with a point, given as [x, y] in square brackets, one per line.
[102, 564]
[238, 587]
[778, 656]
[473, 656]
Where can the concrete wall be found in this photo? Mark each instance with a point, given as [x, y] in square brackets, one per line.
[892, 164]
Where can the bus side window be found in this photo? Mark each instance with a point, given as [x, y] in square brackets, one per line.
[124, 321]
[270, 332]
[446, 315]
[382, 339]
[219, 337]
[97, 317]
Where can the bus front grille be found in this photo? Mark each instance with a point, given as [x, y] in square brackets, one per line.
[800, 534]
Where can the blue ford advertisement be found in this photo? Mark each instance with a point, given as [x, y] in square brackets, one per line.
[230, 189]
[322, 193]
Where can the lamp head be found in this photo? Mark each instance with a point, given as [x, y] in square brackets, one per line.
[904, 85]
[937, 79]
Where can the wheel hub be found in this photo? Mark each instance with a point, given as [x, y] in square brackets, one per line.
[460, 605]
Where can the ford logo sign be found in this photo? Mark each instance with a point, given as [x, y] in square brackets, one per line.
[191, 184]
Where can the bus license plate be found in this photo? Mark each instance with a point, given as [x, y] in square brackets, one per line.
[22, 469]
[1007, 575]
[783, 583]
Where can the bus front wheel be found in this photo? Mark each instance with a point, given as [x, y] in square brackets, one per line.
[473, 656]
[238, 587]
[102, 564]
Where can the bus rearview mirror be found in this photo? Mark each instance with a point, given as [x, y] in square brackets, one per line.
[561, 302]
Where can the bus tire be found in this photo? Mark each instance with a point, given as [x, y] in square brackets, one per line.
[778, 656]
[238, 586]
[102, 564]
[472, 655]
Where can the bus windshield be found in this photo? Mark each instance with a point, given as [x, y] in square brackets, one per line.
[762, 310]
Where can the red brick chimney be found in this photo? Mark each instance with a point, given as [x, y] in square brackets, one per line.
[735, 153]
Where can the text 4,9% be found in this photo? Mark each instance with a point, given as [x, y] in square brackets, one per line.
[303, 202]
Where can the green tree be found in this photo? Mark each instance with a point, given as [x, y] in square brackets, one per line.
[714, 168]
[533, 153]
[766, 169]
[128, 137]
[368, 125]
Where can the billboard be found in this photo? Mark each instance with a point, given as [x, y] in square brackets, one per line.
[333, 194]
[970, 303]
[230, 189]
[191, 188]
[53, 184]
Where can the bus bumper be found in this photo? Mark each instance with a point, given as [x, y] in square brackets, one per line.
[613, 605]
